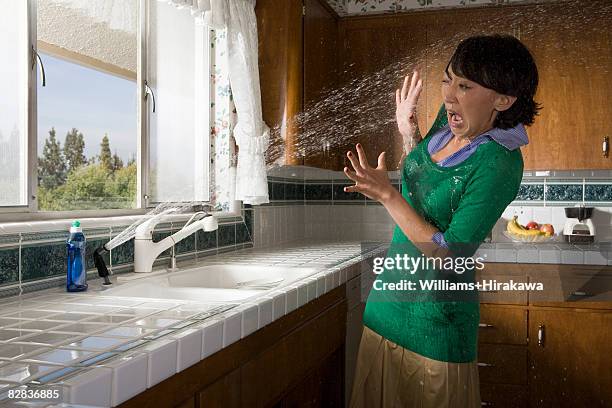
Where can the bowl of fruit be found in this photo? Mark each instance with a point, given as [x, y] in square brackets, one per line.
[532, 232]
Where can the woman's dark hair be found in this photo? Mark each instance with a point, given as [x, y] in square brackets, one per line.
[501, 63]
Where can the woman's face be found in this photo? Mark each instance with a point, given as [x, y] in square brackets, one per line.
[470, 107]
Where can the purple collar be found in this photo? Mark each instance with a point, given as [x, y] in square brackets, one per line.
[511, 139]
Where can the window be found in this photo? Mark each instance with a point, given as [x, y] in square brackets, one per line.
[87, 134]
[122, 120]
[13, 103]
[178, 153]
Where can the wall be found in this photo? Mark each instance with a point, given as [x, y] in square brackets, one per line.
[309, 203]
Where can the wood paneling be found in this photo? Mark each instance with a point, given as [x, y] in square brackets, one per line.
[223, 393]
[500, 324]
[292, 357]
[378, 53]
[572, 46]
[320, 52]
[190, 403]
[502, 364]
[573, 50]
[280, 33]
[571, 368]
[322, 388]
[503, 396]
[320, 67]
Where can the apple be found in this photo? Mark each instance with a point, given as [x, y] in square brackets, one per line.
[532, 225]
[547, 229]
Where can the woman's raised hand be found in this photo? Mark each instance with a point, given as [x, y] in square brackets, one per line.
[405, 105]
[372, 182]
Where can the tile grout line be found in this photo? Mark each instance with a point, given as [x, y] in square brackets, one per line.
[20, 267]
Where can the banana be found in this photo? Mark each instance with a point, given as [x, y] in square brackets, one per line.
[514, 228]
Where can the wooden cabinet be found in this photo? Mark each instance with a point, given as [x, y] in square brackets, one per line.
[376, 54]
[322, 388]
[574, 58]
[570, 353]
[223, 393]
[502, 355]
[503, 396]
[320, 78]
[553, 353]
[573, 54]
[503, 324]
[280, 33]
[297, 360]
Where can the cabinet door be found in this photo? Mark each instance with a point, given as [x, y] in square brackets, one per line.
[223, 393]
[279, 27]
[570, 366]
[322, 388]
[376, 54]
[574, 59]
[320, 78]
[502, 325]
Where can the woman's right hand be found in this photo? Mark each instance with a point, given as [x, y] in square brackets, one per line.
[405, 105]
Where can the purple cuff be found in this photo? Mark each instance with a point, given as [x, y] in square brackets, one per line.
[438, 238]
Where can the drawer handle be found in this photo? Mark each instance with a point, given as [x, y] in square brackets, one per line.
[486, 404]
[541, 335]
[486, 365]
[579, 293]
[485, 325]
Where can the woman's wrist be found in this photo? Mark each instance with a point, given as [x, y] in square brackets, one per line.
[390, 196]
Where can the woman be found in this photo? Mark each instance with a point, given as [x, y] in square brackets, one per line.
[418, 348]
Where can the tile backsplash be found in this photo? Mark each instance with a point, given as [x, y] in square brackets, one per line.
[33, 261]
[310, 203]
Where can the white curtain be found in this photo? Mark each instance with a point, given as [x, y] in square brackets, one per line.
[251, 133]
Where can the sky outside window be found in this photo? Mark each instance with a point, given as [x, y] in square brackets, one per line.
[94, 102]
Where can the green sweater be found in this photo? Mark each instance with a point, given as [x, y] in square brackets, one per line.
[464, 202]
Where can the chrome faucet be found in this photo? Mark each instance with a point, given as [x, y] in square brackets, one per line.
[146, 251]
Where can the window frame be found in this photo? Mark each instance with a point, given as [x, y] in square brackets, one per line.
[30, 212]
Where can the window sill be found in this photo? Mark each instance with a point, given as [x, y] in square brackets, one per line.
[58, 221]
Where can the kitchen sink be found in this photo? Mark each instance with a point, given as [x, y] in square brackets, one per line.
[213, 283]
[238, 276]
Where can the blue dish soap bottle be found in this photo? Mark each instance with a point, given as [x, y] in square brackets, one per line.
[76, 279]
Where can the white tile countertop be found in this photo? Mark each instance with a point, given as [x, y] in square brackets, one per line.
[101, 350]
[547, 253]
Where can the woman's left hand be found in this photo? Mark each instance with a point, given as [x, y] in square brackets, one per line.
[372, 182]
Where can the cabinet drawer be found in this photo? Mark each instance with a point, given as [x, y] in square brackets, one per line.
[500, 324]
[502, 364]
[503, 396]
[502, 273]
[578, 290]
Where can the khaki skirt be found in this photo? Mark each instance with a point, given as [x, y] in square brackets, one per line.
[388, 375]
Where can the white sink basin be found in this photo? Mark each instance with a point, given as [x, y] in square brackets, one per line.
[238, 276]
[213, 283]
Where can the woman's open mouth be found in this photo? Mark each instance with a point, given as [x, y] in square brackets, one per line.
[454, 119]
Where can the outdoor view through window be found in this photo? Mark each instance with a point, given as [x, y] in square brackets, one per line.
[87, 112]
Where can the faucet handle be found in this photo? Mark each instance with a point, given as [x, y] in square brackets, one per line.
[210, 223]
[145, 230]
